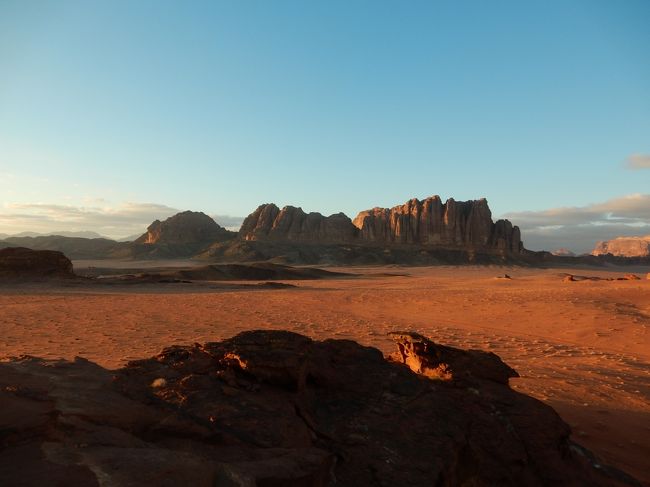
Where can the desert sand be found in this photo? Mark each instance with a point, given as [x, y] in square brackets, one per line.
[582, 347]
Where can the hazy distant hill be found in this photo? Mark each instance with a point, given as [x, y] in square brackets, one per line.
[72, 247]
[79, 234]
[130, 238]
[183, 235]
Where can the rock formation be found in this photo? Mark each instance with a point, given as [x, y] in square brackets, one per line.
[624, 247]
[20, 262]
[456, 224]
[431, 222]
[276, 408]
[563, 252]
[188, 227]
[292, 224]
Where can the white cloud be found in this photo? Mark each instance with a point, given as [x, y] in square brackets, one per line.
[580, 227]
[229, 222]
[127, 219]
[119, 221]
[638, 161]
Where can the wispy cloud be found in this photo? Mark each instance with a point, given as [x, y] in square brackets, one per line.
[580, 227]
[126, 219]
[229, 222]
[638, 161]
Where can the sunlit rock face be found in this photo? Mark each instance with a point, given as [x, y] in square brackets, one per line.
[465, 224]
[183, 228]
[624, 247]
[432, 222]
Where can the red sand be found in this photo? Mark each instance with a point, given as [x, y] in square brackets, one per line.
[582, 347]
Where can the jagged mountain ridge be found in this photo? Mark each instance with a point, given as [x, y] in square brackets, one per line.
[417, 232]
[462, 224]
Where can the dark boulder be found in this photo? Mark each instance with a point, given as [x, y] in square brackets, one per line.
[19, 262]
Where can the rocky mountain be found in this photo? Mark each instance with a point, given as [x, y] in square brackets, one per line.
[431, 222]
[292, 224]
[182, 235]
[624, 247]
[462, 224]
[271, 408]
[417, 232]
[187, 227]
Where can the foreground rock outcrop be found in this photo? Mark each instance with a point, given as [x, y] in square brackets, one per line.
[624, 247]
[453, 224]
[20, 262]
[271, 408]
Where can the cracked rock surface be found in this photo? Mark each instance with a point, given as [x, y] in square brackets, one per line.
[274, 408]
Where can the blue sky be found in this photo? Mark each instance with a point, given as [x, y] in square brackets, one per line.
[131, 110]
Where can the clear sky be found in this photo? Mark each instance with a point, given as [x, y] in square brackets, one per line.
[116, 112]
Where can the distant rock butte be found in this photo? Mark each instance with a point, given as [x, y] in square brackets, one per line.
[183, 228]
[268, 222]
[624, 247]
[431, 222]
[563, 252]
[466, 224]
[21, 262]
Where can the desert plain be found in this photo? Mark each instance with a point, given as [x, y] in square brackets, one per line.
[582, 347]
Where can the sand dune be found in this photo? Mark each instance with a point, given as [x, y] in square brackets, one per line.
[583, 347]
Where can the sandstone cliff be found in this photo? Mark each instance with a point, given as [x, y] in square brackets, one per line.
[456, 224]
[431, 222]
[268, 222]
[184, 228]
[624, 247]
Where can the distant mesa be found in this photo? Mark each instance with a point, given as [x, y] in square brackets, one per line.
[20, 262]
[624, 247]
[562, 252]
[184, 228]
[456, 224]
[292, 224]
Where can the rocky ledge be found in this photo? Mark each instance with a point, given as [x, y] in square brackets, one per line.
[271, 408]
